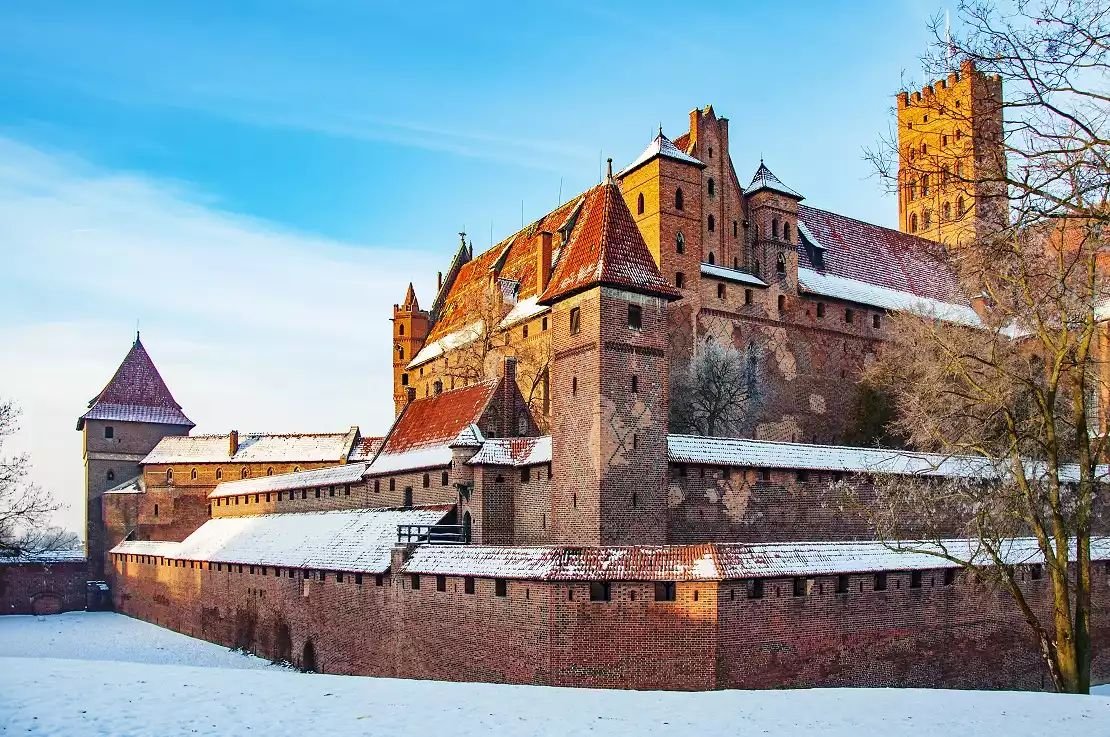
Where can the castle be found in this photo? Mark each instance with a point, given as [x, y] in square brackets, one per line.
[532, 517]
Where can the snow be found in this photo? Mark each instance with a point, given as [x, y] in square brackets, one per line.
[346, 540]
[741, 277]
[513, 452]
[707, 562]
[254, 448]
[525, 309]
[660, 146]
[101, 674]
[76, 555]
[853, 290]
[130, 486]
[348, 473]
[430, 456]
[447, 343]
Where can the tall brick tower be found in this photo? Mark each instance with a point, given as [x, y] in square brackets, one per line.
[410, 330]
[950, 155]
[609, 369]
[123, 423]
[773, 219]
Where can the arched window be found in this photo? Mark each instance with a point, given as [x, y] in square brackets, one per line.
[678, 201]
[959, 207]
[712, 258]
[786, 231]
[712, 187]
[780, 263]
[711, 223]
[946, 211]
[680, 243]
[438, 387]
[193, 474]
[270, 471]
[924, 185]
[219, 473]
[400, 353]
[169, 475]
[774, 227]
[401, 328]
[111, 475]
[913, 222]
[926, 219]
[640, 204]
[244, 472]
[467, 523]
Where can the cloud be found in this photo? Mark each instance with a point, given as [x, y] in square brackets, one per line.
[252, 325]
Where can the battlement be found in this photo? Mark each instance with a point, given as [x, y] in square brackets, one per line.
[956, 83]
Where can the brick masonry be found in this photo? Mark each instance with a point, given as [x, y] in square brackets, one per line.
[42, 588]
[711, 636]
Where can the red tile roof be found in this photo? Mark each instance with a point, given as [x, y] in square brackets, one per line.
[365, 448]
[682, 143]
[136, 393]
[877, 255]
[606, 249]
[438, 420]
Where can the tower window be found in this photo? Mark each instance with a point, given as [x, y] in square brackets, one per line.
[574, 386]
[244, 472]
[946, 211]
[774, 227]
[524, 331]
[786, 231]
[679, 279]
[635, 383]
[711, 223]
[680, 243]
[438, 387]
[924, 185]
[912, 191]
[635, 317]
[678, 201]
[780, 263]
[664, 591]
[525, 475]
[959, 207]
[755, 588]
[575, 320]
[270, 471]
[926, 219]
[880, 581]
[712, 187]
[400, 328]
[404, 379]
[782, 302]
[109, 432]
[155, 510]
[500, 588]
[640, 204]
[712, 258]
[600, 591]
[400, 353]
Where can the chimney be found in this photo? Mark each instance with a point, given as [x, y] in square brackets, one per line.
[439, 280]
[232, 443]
[509, 392]
[410, 394]
[543, 262]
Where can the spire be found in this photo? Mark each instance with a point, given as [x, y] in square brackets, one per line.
[764, 178]
[136, 393]
[607, 249]
[609, 170]
[410, 302]
[662, 147]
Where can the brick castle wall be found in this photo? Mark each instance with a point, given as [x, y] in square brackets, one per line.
[42, 588]
[711, 636]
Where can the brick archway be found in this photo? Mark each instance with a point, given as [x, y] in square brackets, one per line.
[46, 602]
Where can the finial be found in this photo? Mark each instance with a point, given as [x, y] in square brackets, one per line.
[660, 129]
[462, 237]
[136, 331]
[609, 170]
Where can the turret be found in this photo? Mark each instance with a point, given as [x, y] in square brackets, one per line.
[410, 331]
[773, 218]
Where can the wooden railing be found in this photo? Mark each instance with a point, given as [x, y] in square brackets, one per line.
[436, 534]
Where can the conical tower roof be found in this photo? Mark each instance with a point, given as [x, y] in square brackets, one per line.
[607, 249]
[411, 303]
[136, 393]
[765, 179]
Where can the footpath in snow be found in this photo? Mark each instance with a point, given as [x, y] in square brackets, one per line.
[105, 674]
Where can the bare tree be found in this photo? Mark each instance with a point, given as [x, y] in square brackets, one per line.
[25, 509]
[710, 393]
[1021, 390]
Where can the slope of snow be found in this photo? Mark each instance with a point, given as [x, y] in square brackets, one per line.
[54, 681]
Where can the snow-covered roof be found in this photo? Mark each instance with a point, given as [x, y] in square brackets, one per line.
[764, 178]
[525, 309]
[136, 393]
[74, 555]
[853, 290]
[664, 147]
[348, 540]
[254, 448]
[769, 454]
[348, 473]
[470, 436]
[447, 343]
[707, 562]
[741, 277]
[130, 486]
[513, 452]
[431, 456]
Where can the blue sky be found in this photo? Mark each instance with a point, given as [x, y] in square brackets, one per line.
[256, 181]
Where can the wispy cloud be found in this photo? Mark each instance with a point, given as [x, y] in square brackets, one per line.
[253, 326]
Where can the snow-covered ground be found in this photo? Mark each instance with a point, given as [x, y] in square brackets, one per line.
[105, 674]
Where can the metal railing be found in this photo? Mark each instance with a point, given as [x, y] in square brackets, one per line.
[436, 534]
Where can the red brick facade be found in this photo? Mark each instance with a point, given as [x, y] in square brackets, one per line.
[43, 588]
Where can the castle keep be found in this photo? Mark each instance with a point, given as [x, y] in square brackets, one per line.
[532, 516]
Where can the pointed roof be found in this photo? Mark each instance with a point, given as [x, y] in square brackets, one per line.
[410, 302]
[136, 393]
[660, 146]
[765, 179]
[606, 249]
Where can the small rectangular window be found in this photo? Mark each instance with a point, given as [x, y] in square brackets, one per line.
[600, 591]
[525, 475]
[820, 309]
[379, 580]
[876, 321]
[755, 588]
[679, 279]
[720, 291]
[468, 585]
[849, 315]
[842, 584]
[415, 580]
[575, 320]
[338, 576]
[802, 476]
[802, 586]
[635, 383]
[880, 581]
[764, 474]
[915, 579]
[949, 576]
[747, 296]
[543, 324]
[782, 302]
[1036, 571]
[664, 591]
[500, 588]
[441, 583]
[635, 317]
[109, 432]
